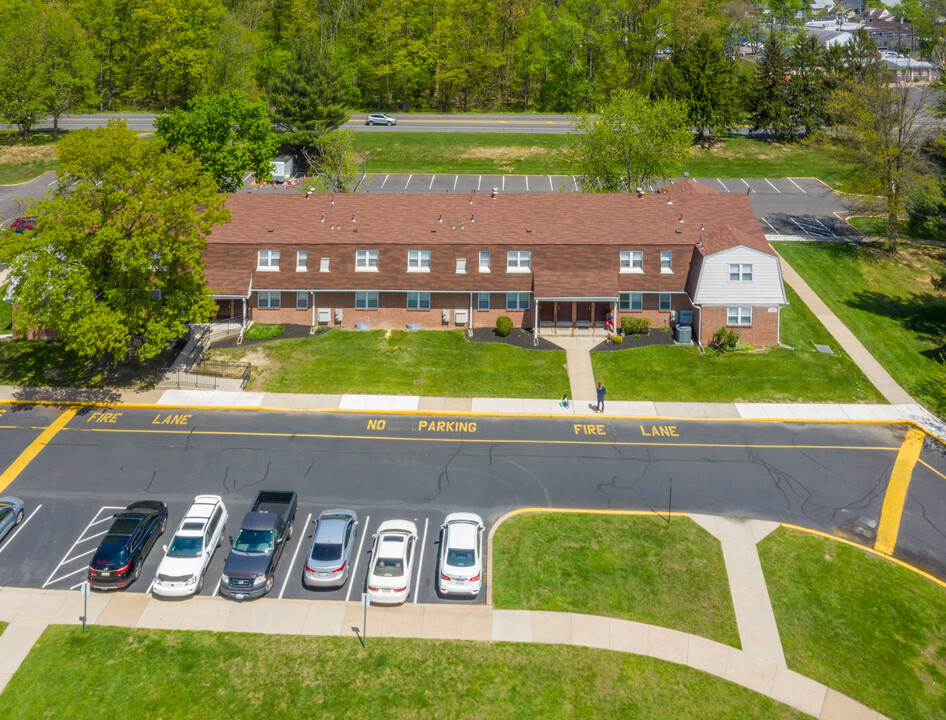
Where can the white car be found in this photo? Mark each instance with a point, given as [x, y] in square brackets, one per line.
[181, 572]
[392, 562]
[461, 555]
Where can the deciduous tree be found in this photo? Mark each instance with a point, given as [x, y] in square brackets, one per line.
[114, 264]
[336, 167]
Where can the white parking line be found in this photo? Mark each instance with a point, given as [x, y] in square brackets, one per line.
[78, 585]
[800, 227]
[826, 228]
[725, 189]
[408, 181]
[384, 181]
[245, 177]
[575, 183]
[431, 182]
[797, 185]
[52, 183]
[770, 225]
[354, 568]
[217, 589]
[95, 518]
[551, 186]
[456, 179]
[747, 184]
[84, 568]
[92, 537]
[295, 555]
[22, 525]
[5, 222]
[76, 557]
[773, 187]
[504, 183]
[527, 183]
[420, 562]
[150, 585]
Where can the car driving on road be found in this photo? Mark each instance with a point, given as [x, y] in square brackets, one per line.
[392, 562]
[461, 554]
[181, 572]
[380, 119]
[328, 561]
[117, 561]
[11, 514]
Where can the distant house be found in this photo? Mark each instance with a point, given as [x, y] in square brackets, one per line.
[890, 35]
[909, 70]
[872, 14]
[553, 262]
[829, 37]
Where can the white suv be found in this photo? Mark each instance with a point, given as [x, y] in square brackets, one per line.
[461, 554]
[181, 572]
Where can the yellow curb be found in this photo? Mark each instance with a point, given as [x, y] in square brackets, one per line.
[896, 496]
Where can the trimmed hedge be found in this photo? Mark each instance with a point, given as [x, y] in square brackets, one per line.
[503, 325]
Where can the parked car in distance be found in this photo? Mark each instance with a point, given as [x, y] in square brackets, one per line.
[380, 119]
[11, 514]
[117, 561]
[328, 561]
[22, 224]
[392, 562]
[461, 554]
[181, 572]
[250, 570]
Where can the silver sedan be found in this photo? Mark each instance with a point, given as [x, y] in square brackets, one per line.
[11, 514]
[327, 564]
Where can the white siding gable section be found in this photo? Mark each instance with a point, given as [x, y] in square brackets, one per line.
[714, 288]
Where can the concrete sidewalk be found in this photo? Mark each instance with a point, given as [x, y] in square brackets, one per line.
[30, 611]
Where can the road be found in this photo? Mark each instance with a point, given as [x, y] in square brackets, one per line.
[832, 478]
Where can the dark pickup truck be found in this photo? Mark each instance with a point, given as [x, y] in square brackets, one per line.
[250, 570]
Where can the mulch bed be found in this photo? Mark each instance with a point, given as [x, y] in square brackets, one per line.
[290, 332]
[654, 337]
[518, 338]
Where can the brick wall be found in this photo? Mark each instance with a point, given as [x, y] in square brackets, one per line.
[762, 333]
[658, 318]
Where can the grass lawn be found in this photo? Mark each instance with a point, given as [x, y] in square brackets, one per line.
[437, 363]
[888, 302]
[667, 374]
[22, 160]
[6, 316]
[520, 154]
[177, 674]
[861, 625]
[877, 227]
[633, 567]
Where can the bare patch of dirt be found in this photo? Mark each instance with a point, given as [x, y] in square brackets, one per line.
[19, 154]
[502, 154]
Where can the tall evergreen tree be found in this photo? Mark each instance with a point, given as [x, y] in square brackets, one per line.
[771, 102]
[710, 91]
[808, 89]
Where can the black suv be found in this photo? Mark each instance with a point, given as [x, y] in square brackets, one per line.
[117, 561]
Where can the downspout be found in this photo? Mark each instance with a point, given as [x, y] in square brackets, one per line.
[535, 324]
[312, 297]
[470, 326]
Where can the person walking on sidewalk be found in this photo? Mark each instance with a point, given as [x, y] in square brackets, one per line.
[601, 391]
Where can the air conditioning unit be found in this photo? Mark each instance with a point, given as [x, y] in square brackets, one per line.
[460, 316]
[325, 315]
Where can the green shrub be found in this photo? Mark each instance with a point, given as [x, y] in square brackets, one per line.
[263, 332]
[503, 325]
[725, 340]
[617, 340]
[635, 325]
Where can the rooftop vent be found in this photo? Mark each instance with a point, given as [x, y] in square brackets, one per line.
[323, 217]
[353, 217]
[494, 193]
[528, 229]
[272, 229]
[440, 219]
[681, 217]
[702, 229]
[678, 231]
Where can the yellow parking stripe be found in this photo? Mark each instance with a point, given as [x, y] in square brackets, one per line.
[897, 489]
[18, 465]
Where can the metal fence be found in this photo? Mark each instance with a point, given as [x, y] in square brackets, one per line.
[209, 375]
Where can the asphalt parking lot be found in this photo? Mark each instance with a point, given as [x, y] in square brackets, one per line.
[828, 477]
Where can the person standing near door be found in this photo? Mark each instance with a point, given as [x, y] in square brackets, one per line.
[601, 391]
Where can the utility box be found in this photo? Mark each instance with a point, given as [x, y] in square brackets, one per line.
[685, 317]
[460, 316]
[325, 315]
[282, 168]
[338, 316]
[446, 316]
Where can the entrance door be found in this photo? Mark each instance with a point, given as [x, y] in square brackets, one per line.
[601, 312]
[546, 312]
[565, 313]
[583, 311]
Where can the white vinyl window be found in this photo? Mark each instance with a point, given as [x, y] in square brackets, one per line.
[484, 260]
[664, 301]
[461, 265]
[482, 301]
[302, 300]
[366, 260]
[302, 260]
[366, 300]
[631, 301]
[666, 261]
[418, 301]
[517, 301]
[632, 261]
[418, 260]
[739, 316]
[267, 260]
[518, 261]
[268, 299]
[740, 272]
[323, 265]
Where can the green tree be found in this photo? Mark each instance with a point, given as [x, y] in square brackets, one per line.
[336, 167]
[772, 93]
[708, 86]
[227, 133]
[808, 93]
[114, 266]
[69, 63]
[23, 68]
[631, 142]
[879, 130]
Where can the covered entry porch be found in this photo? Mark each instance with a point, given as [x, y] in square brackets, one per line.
[573, 315]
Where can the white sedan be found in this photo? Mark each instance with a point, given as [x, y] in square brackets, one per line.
[461, 555]
[392, 562]
[181, 572]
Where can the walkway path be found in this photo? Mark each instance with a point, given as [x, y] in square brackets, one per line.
[29, 611]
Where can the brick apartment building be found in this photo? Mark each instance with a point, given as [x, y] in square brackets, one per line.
[557, 262]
